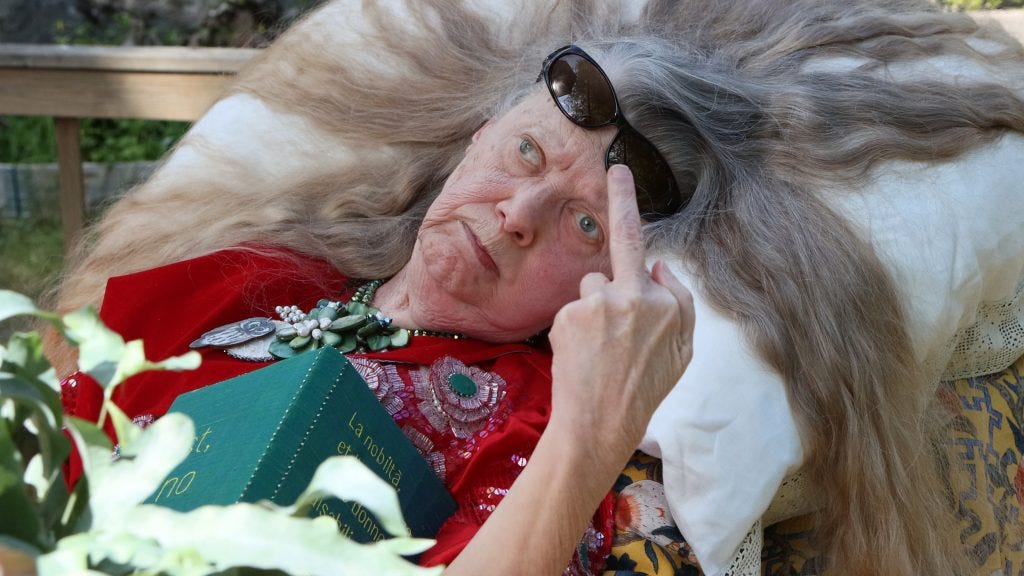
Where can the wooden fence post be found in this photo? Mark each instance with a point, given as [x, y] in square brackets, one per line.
[72, 182]
[73, 82]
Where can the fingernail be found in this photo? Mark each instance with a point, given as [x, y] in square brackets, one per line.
[619, 171]
[658, 267]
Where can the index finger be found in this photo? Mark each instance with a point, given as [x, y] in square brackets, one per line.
[626, 239]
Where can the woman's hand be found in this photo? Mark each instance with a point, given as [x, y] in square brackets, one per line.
[618, 351]
[620, 348]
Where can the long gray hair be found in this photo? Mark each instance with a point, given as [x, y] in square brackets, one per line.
[756, 122]
[730, 94]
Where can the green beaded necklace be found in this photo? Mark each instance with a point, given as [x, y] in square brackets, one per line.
[355, 326]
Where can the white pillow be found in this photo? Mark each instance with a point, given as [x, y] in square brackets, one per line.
[952, 237]
[726, 437]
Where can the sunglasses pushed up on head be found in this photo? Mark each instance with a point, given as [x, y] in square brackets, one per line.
[583, 92]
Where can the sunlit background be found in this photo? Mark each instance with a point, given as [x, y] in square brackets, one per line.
[117, 152]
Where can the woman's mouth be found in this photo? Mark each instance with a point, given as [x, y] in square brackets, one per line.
[481, 252]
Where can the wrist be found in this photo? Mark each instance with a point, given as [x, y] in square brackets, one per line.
[610, 423]
[601, 449]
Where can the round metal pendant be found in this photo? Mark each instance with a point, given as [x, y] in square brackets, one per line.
[235, 333]
[257, 350]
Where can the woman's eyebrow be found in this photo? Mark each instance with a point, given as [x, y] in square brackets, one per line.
[555, 148]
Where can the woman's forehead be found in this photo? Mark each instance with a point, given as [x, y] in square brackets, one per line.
[564, 142]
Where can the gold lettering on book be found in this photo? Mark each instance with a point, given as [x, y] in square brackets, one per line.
[360, 515]
[178, 485]
[321, 508]
[200, 442]
[362, 445]
[366, 520]
[385, 462]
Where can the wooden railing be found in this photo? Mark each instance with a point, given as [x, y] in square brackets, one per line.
[69, 83]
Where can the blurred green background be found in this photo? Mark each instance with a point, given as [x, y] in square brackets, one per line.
[31, 241]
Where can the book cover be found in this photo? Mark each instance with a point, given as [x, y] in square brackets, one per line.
[262, 435]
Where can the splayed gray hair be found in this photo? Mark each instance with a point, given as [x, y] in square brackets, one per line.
[731, 95]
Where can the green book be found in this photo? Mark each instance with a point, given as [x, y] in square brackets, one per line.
[260, 436]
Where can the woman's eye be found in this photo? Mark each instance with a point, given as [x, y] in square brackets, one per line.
[529, 152]
[588, 225]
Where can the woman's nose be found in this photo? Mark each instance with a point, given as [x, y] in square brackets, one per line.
[521, 214]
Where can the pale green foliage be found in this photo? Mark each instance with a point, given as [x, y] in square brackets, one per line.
[105, 356]
[107, 525]
[13, 304]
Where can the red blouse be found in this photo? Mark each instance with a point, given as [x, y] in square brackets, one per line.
[477, 445]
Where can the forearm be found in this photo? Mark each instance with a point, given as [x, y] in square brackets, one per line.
[540, 521]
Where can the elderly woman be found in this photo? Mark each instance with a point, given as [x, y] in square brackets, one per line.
[536, 228]
[813, 149]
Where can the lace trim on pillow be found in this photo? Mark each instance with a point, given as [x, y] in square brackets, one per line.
[747, 560]
[792, 499]
[993, 342]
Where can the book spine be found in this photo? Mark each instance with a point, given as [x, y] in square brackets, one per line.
[320, 402]
[279, 455]
[362, 428]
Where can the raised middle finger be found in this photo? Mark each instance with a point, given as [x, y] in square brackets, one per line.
[626, 241]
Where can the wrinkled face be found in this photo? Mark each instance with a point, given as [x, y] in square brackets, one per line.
[520, 221]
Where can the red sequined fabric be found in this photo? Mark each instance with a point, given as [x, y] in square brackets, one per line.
[474, 410]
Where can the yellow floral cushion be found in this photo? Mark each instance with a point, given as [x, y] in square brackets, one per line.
[986, 443]
[646, 541]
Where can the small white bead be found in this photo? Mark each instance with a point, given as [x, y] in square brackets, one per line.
[316, 333]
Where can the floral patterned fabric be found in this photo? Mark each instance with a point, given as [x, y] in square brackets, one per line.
[984, 454]
[646, 541]
[984, 451]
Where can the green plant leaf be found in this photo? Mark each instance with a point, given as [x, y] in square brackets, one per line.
[133, 361]
[261, 537]
[346, 478]
[70, 558]
[24, 357]
[21, 518]
[14, 304]
[126, 431]
[116, 485]
[54, 503]
[32, 393]
[105, 356]
[101, 523]
[74, 514]
[41, 404]
[27, 377]
[97, 344]
[34, 476]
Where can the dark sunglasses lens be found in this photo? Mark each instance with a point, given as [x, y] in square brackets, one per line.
[657, 194]
[581, 90]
